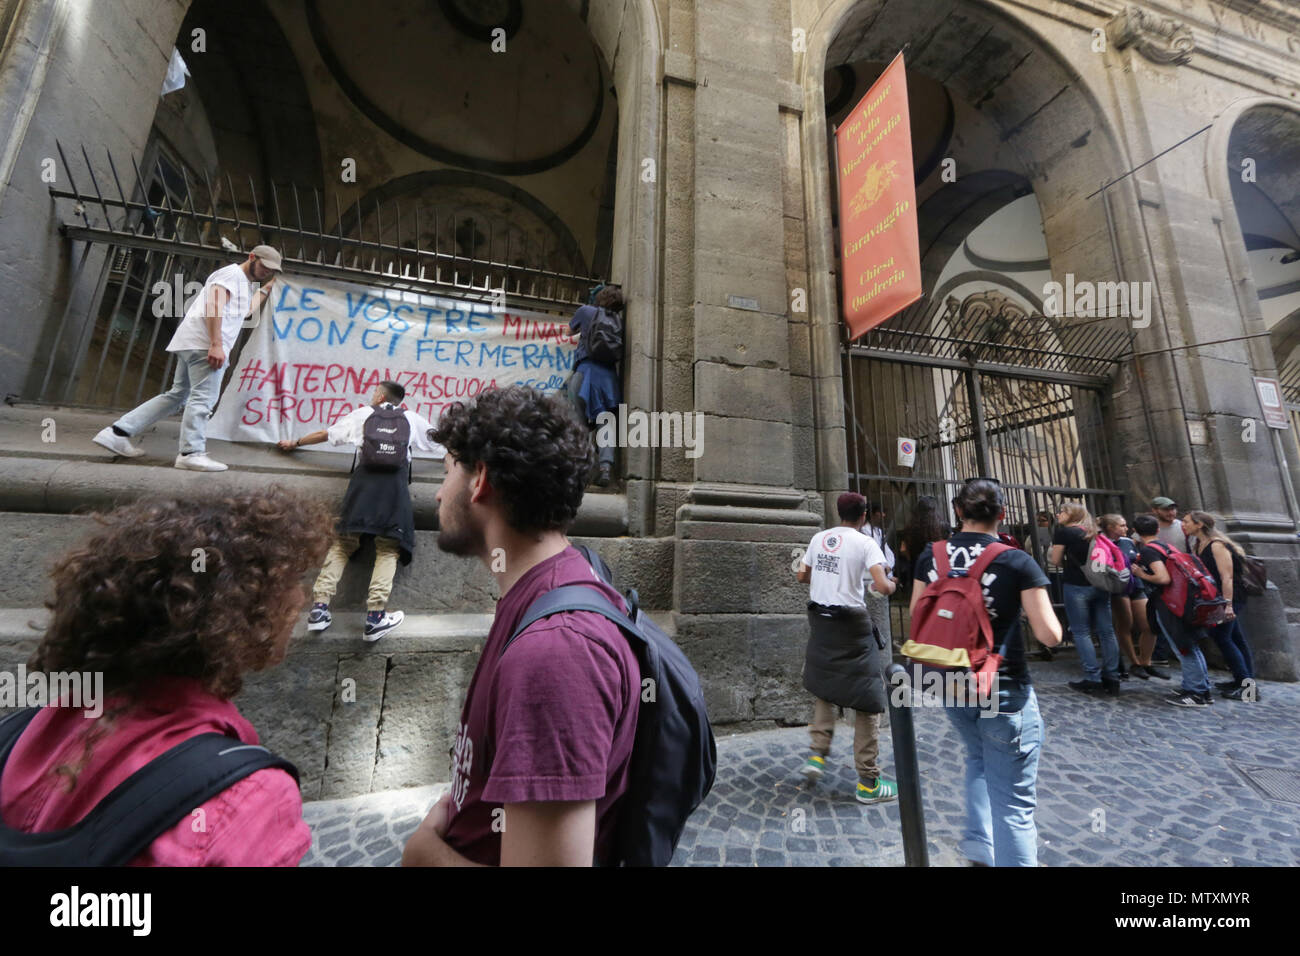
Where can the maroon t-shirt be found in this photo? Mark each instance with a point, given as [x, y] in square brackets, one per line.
[554, 718]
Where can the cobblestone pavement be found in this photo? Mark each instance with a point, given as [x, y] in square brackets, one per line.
[1132, 781]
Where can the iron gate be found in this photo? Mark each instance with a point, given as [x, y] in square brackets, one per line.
[172, 228]
[983, 388]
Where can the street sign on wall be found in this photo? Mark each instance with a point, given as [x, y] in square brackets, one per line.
[1270, 401]
[906, 452]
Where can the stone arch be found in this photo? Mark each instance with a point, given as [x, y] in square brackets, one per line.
[565, 253]
[255, 93]
[1074, 108]
[1217, 151]
[588, 70]
[1263, 349]
[630, 37]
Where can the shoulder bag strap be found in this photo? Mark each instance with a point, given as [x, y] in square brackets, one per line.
[145, 805]
[573, 597]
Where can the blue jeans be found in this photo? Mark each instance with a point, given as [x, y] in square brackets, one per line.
[195, 388]
[604, 454]
[1195, 675]
[1001, 782]
[1088, 609]
[1231, 640]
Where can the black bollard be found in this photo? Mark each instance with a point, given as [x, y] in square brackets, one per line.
[910, 809]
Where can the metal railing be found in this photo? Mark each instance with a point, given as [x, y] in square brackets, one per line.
[172, 228]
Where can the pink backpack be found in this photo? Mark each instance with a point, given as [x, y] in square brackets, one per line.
[1106, 568]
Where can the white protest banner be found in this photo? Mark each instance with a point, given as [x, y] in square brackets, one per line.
[326, 345]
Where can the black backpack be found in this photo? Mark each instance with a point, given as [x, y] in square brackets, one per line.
[386, 436]
[674, 757]
[142, 807]
[604, 337]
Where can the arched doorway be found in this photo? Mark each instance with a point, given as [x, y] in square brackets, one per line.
[313, 139]
[1253, 169]
[1008, 145]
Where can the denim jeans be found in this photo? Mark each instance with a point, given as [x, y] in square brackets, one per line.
[1231, 640]
[604, 454]
[1088, 609]
[1195, 675]
[1001, 782]
[195, 388]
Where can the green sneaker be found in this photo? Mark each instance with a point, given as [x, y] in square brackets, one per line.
[814, 768]
[882, 791]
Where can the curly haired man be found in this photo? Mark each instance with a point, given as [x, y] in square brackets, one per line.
[545, 738]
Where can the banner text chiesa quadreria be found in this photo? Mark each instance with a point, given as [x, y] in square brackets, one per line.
[325, 346]
[879, 255]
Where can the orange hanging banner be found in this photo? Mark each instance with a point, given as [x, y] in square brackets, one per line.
[880, 257]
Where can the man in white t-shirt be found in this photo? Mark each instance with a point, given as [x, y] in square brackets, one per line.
[202, 344]
[377, 504]
[1171, 529]
[846, 654]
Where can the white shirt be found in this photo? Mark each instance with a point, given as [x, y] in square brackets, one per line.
[878, 535]
[841, 560]
[1172, 535]
[192, 333]
[349, 430]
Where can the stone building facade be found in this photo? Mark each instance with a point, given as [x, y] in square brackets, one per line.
[688, 156]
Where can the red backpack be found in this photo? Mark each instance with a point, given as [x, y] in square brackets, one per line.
[951, 626]
[1191, 595]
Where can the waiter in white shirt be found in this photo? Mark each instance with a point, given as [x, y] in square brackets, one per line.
[846, 656]
[377, 504]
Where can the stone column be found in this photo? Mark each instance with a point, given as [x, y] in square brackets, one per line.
[80, 74]
[745, 509]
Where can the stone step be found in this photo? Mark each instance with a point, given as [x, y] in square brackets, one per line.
[434, 580]
[49, 464]
[354, 717]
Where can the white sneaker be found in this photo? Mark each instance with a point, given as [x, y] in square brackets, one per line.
[117, 444]
[389, 622]
[199, 462]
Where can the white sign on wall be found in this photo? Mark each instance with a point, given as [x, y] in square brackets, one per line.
[907, 452]
[1270, 402]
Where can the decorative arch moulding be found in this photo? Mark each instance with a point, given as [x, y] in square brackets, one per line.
[1258, 36]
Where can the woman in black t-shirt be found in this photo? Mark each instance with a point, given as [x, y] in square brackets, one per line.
[1222, 558]
[1086, 608]
[1002, 749]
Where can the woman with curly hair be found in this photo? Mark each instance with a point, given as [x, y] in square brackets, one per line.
[173, 601]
